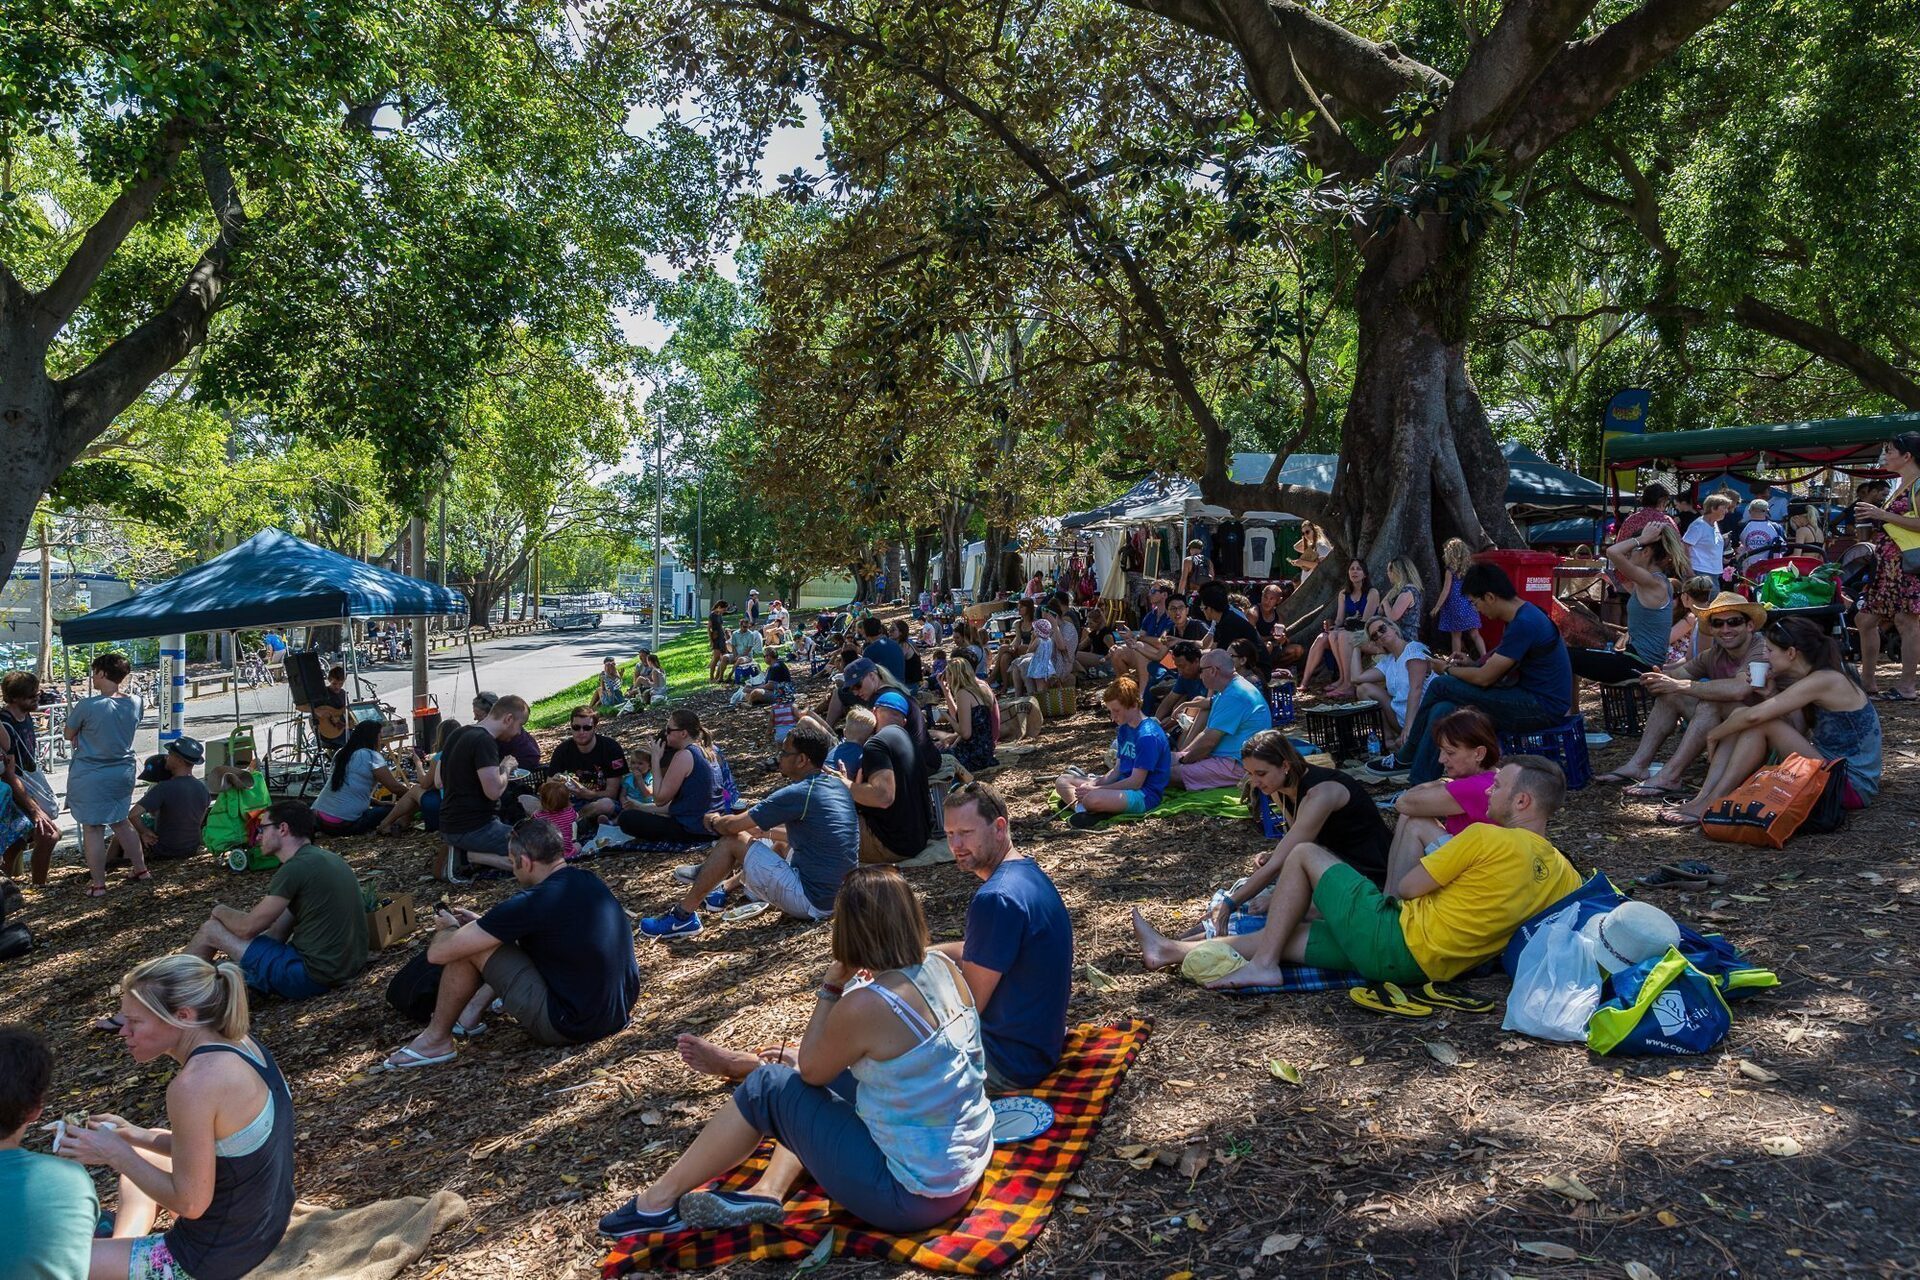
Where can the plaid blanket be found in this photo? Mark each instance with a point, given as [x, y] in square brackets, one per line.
[1014, 1201]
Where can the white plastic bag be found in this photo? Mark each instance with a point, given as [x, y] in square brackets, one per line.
[1556, 984]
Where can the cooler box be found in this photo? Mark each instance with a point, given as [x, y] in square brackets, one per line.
[1532, 574]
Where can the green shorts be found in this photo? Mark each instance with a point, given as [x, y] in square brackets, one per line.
[1359, 930]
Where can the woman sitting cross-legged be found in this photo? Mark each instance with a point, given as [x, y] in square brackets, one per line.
[974, 714]
[686, 769]
[1318, 805]
[884, 1104]
[1846, 726]
[345, 807]
[1143, 760]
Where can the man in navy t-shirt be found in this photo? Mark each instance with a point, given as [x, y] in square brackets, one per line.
[1525, 683]
[1018, 950]
[558, 955]
[882, 649]
[813, 815]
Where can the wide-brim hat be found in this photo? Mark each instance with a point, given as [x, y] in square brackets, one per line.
[1630, 934]
[1732, 602]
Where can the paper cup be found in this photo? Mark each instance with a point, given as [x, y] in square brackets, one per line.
[1757, 674]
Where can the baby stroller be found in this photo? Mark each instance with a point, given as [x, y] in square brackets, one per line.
[1857, 566]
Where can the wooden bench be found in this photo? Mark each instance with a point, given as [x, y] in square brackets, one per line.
[218, 682]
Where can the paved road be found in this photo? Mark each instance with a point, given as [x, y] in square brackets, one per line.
[532, 666]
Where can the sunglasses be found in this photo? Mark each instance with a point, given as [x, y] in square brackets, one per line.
[1736, 620]
[582, 728]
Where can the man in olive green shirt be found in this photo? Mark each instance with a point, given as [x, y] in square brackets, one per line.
[309, 934]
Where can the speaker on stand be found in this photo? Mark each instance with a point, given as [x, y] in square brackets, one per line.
[304, 677]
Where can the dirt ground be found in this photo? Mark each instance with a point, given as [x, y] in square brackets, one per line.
[1518, 1159]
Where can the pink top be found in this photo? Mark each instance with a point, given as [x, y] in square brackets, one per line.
[563, 823]
[1470, 793]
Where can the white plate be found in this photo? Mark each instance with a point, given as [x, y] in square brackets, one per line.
[519, 775]
[745, 911]
[1018, 1118]
[1599, 739]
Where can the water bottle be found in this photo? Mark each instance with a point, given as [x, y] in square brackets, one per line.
[1373, 744]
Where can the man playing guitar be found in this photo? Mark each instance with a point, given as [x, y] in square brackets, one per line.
[330, 710]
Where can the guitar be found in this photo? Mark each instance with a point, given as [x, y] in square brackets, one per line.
[330, 722]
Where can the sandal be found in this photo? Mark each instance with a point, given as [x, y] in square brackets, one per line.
[1690, 874]
[96, 891]
[1651, 791]
[1615, 778]
[1451, 995]
[144, 875]
[1388, 998]
[1676, 818]
[1893, 695]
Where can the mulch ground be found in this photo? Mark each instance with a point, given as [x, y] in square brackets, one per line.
[1439, 1148]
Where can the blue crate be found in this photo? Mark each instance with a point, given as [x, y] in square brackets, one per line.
[1565, 744]
[1271, 823]
[1280, 702]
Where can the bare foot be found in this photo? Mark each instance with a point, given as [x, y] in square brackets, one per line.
[1249, 975]
[710, 1059]
[1157, 951]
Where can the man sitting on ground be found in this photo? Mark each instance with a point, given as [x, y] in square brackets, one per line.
[1017, 951]
[1186, 692]
[883, 649]
[1540, 693]
[52, 1209]
[1209, 756]
[890, 788]
[473, 777]
[1453, 910]
[558, 955]
[593, 766]
[1229, 624]
[1699, 691]
[309, 933]
[813, 816]
[177, 804]
[521, 746]
[746, 648]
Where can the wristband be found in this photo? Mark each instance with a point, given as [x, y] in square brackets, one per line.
[829, 991]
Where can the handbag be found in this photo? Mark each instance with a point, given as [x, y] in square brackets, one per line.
[1663, 1006]
[1778, 802]
[15, 825]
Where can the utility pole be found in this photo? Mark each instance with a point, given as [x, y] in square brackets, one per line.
[699, 517]
[417, 552]
[659, 492]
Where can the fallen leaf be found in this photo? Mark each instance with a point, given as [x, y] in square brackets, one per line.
[1194, 1159]
[1131, 1150]
[819, 1255]
[1181, 1275]
[1640, 1271]
[569, 1178]
[1196, 1223]
[1754, 1071]
[1181, 1084]
[1443, 1053]
[1666, 1218]
[1098, 980]
[1780, 1145]
[1548, 1249]
[1571, 1188]
[1146, 1161]
[1796, 1034]
[1359, 1060]
[1281, 1070]
[1285, 1243]
[1078, 1191]
[650, 1116]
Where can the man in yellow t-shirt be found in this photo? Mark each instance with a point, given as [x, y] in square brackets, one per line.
[1457, 907]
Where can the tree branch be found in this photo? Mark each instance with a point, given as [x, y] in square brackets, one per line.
[116, 377]
[1505, 64]
[1579, 83]
[1868, 366]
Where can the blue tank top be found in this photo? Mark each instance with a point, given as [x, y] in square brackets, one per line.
[699, 795]
[1647, 628]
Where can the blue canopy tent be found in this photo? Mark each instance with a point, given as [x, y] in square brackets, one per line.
[273, 579]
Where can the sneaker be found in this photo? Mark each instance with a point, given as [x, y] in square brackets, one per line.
[707, 1210]
[1086, 820]
[671, 925]
[1384, 765]
[631, 1220]
[685, 872]
[716, 898]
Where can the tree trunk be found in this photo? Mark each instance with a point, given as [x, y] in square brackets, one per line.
[917, 559]
[992, 580]
[953, 542]
[896, 577]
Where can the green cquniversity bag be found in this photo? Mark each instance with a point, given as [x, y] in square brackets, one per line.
[1787, 588]
[1658, 1007]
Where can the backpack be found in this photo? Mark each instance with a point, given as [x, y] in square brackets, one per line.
[414, 988]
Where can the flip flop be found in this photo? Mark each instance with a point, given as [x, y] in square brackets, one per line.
[144, 875]
[1651, 791]
[1693, 868]
[1667, 878]
[1388, 998]
[1676, 818]
[1617, 779]
[467, 1033]
[412, 1059]
[1893, 695]
[1451, 995]
[111, 1023]
[96, 891]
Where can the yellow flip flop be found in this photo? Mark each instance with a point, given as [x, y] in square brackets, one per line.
[1388, 998]
[1447, 995]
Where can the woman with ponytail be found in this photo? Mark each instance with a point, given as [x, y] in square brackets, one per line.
[687, 784]
[1806, 670]
[224, 1165]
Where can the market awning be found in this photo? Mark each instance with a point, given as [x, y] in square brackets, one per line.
[273, 579]
[1816, 442]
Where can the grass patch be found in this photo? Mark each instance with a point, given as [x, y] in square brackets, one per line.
[684, 658]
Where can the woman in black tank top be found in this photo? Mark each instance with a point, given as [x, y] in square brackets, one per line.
[226, 1170]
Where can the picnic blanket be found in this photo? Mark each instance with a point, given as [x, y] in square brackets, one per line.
[368, 1242]
[1015, 1199]
[1215, 802]
[1294, 978]
[690, 845]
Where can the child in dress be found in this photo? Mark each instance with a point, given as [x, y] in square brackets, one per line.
[1452, 613]
[556, 809]
[1041, 666]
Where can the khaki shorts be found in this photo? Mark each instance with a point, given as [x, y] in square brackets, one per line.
[519, 986]
[872, 850]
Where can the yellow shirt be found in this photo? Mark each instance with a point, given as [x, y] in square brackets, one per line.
[1491, 878]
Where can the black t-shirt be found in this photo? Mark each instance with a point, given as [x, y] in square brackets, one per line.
[594, 766]
[572, 928]
[1232, 626]
[916, 670]
[1192, 629]
[1100, 641]
[778, 672]
[1229, 543]
[1355, 831]
[905, 825]
[717, 627]
[463, 805]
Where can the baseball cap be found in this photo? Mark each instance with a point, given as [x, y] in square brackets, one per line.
[153, 769]
[859, 669]
[893, 700]
[1629, 934]
[188, 748]
[1211, 960]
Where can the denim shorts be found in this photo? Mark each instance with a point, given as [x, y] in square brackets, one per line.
[274, 968]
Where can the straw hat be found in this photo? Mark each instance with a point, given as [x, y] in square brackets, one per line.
[1730, 602]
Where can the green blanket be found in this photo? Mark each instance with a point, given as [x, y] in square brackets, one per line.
[1217, 802]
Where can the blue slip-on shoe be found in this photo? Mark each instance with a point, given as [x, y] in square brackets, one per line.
[672, 925]
[716, 899]
[631, 1220]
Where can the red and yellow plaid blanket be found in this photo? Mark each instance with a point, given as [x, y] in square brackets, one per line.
[1016, 1197]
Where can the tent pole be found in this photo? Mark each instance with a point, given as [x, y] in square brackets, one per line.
[233, 670]
[472, 665]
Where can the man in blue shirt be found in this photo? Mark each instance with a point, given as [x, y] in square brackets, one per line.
[1525, 683]
[1210, 754]
[46, 1232]
[883, 650]
[1017, 954]
[813, 815]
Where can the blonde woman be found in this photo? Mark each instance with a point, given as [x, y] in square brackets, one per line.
[1404, 595]
[1312, 548]
[223, 1166]
[975, 716]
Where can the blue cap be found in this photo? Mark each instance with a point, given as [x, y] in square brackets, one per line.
[895, 701]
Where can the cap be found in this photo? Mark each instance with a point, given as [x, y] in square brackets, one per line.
[895, 701]
[486, 699]
[1629, 934]
[859, 669]
[754, 592]
[1211, 960]
[189, 749]
[153, 769]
